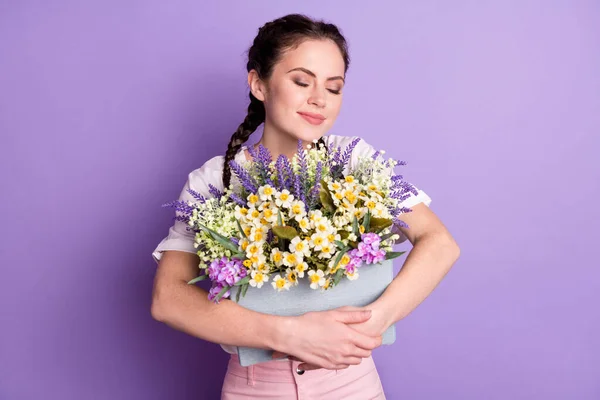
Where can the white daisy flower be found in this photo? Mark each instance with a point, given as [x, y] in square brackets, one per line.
[316, 278]
[304, 224]
[258, 279]
[277, 257]
[240, 213]
[284, 199]
[317, 241]
[300, 247]
[266, 193]
[297, 210]
[300, 268]
[280, 283]
[353, 276]
[253, 200]
[259, 234]
[291, 259]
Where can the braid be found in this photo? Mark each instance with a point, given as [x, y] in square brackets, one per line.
[255, 117]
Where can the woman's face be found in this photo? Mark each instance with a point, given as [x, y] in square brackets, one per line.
[308, 79]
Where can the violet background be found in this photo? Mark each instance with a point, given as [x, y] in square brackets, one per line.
[106, 106]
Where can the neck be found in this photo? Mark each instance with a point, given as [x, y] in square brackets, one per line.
[279, 142]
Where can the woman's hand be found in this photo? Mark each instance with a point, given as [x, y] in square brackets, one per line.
[326, 339]
[362, 335]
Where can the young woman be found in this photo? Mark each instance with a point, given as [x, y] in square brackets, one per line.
[296, 74]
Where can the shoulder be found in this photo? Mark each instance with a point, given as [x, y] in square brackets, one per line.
[361, 147]
[210, 173]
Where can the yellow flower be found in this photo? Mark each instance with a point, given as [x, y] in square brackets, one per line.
[345, 260]
[252, 199]
[290, 259]
[258, 279]
[247, 263]
[316, 278]
[280, 283]
[300, 268]
[255, 213]
[361, 229]
[349, 179]
[276, 257]
[292, 276]
[253, 249]
[262, 267]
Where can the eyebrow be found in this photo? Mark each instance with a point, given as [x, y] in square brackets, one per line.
[309, 72]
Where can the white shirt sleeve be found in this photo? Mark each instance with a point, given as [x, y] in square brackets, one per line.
[179, 237]
[363, 149]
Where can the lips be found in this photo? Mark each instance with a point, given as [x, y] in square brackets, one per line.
[312, 118]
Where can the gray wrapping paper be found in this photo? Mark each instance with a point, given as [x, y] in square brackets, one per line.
[372, 281]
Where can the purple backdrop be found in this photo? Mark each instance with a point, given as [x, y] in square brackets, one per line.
[105, 108]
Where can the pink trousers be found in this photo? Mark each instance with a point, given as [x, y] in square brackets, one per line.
[279, 380]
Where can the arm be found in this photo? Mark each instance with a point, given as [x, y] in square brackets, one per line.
[323, 338]
[187, 308]
[433, 254]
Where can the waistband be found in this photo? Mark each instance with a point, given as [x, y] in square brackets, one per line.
[285, 370]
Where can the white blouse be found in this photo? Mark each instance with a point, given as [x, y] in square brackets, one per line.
[211, 172]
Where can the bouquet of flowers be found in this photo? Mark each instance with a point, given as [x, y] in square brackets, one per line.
[304, 218]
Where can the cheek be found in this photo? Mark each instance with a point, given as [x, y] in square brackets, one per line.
[288, 97]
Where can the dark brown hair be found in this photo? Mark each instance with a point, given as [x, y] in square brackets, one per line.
[272, 41]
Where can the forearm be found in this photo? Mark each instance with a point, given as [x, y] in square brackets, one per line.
[426, 265]
[187, 308]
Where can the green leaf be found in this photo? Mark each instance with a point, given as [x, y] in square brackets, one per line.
[387, 236]
[325, 197]
[355, 227]
[237, 296]
[285, 232]
[242, 281]
[225, 242]
[379, 224]
[344, 234]
[367, 220]
[222, 292]
[338, 258]
[197, 279]
[279, 219]
[241, 230]
[341, 245]
[245, 289]
[338, 276]
[393, 254]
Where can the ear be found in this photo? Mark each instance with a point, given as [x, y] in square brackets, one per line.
[257, 86]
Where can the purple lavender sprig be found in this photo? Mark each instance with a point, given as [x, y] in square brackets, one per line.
[342, 159]
[314, 193]
[286, 176]
[262, 160]
[247, 181]
[197, 195]
[303, 170]
[215, 192]
[237, 199]
[181, 206]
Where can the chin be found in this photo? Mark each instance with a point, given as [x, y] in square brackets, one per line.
[308, 135]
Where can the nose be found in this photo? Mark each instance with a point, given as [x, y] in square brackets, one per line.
[317, 97]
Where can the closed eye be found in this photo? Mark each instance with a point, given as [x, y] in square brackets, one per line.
[306, 84]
